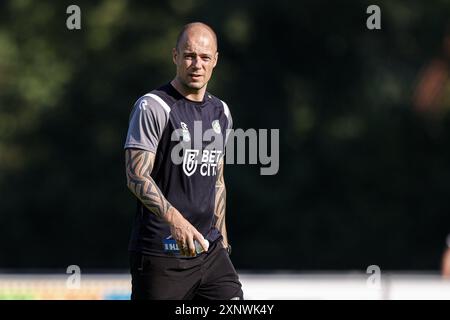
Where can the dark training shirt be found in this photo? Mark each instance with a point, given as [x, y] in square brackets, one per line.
[161, 122]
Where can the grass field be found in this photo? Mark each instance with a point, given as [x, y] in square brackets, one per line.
[270, 286]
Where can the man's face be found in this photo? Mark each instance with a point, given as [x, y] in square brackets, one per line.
[195, 59]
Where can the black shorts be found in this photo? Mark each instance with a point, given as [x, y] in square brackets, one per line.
[209, 276]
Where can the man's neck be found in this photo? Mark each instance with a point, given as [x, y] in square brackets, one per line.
[194, 95]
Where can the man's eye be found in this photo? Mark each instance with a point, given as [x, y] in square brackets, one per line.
[207, 58]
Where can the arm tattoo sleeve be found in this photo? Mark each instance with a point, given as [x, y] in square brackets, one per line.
[139, 165]
[220, 203]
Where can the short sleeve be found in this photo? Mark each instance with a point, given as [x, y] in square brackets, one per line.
[227, 112]
[148, 120]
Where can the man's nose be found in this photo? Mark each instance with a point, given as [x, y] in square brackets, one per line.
[197, 63]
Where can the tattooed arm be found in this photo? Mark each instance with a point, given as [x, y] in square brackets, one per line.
[220, 204]
[139, 165]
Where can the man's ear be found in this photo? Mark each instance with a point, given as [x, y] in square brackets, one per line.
[174, 55]
[216, 58]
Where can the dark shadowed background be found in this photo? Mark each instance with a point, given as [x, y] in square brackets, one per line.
[364, 161]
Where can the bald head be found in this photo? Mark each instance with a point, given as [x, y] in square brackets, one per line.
[198, 29]
[195, 56]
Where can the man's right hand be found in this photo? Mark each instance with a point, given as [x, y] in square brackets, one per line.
[184, 233]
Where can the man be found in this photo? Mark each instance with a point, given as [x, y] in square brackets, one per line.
[181, 198]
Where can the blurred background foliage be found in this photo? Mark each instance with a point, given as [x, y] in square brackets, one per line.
[364, 173]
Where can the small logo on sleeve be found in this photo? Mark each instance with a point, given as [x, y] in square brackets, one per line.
[143, 105]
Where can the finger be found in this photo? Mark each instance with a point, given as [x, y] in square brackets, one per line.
[191, 247]
[181, 247]
[199, 237]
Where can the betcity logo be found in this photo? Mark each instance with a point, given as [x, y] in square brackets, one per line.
[242, 147]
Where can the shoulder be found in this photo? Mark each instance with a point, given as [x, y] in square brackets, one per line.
[150, 108]
[220, 104]
[154, 101]
[163, 97]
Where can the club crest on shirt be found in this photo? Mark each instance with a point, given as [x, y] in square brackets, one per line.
[216, 126]
[185, 132]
